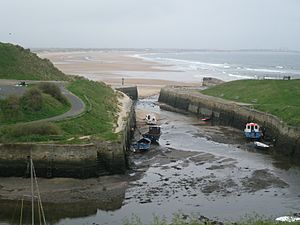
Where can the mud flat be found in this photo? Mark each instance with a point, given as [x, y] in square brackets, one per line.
[201, 169]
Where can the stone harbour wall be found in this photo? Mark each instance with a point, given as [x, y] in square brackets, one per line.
[130, 91]
[286, 138]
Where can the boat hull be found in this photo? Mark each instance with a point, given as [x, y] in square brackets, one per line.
[261, 146]
[253, 135]
[142, 145]
[152, 137]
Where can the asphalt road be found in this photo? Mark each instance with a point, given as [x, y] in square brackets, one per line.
[8, 87]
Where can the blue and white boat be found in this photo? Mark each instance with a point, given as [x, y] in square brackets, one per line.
[142, 145]
[252, 131]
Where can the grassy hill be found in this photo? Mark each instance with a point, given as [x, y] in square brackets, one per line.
[277, 97]
[18, 63]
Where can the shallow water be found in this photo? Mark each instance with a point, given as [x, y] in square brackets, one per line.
[197, 169]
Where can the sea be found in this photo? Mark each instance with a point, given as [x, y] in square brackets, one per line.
[227, 65]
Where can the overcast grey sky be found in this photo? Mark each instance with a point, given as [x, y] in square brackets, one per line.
[209, 24]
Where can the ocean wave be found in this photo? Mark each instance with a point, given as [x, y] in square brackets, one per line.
[265, 70]
[242, 76]
[182, 64]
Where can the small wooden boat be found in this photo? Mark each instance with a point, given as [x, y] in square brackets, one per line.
[142, 145]
[261, 146]
[153, 134]
[150, 119]
[252, 131]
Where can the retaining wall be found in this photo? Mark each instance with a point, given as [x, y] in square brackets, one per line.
[287, 138]
[130, 91]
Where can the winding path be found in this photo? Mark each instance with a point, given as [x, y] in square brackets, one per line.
[77, 107]
[8, 87]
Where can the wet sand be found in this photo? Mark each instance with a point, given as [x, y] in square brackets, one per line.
[111, 66]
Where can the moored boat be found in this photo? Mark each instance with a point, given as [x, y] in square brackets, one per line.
[150, 119]
[206, 119]
[153, 134]
[252, 131]
[261, 146]
[142, 145]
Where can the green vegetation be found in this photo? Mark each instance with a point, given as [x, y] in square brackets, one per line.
[18, 63]
[30, 131]
[33, 105]
[102, 106]
[277, 97]
[98, 121]
[53, 90]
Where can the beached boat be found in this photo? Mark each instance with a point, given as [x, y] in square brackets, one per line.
[206, 119]
[142, 145]
[261, 146]
[252, 131]
[150, 119]
[153, 134]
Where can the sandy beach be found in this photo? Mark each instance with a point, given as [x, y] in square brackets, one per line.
[111, 66]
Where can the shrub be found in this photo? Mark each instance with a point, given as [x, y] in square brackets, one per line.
[53, 90]
[10, 107]
[38, 128]
[33, 99]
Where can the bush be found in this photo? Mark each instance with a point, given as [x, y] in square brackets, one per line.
[10, 107]
[33, 99]
[53, 90]
[38, 128]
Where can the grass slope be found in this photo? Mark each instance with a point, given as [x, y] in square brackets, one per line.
[102, 105]
[17, 63]
[277, 97]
